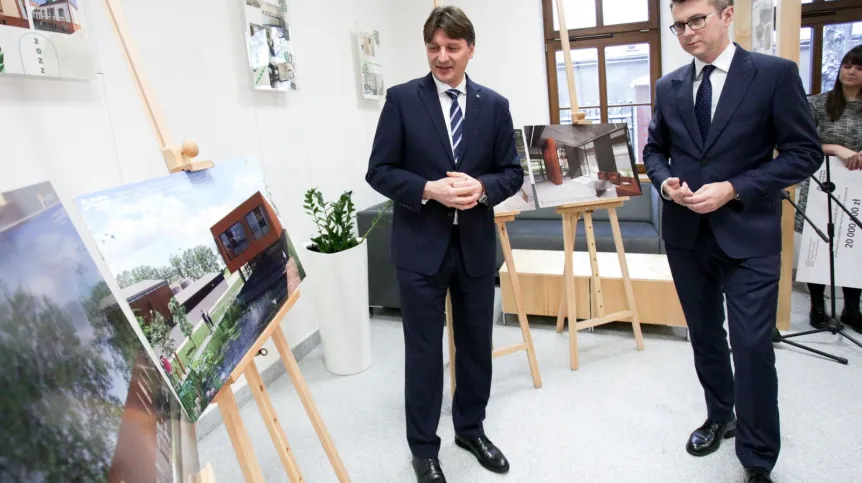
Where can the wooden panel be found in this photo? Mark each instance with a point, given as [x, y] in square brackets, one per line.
[742, 23]
[540, 273]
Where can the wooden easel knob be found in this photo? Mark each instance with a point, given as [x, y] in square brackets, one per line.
[190, 149]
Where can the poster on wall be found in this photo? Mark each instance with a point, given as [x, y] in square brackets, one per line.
[762, 26]
[370, 67]
[813, 265]
[525, 198]
[47, 38]
[580, 162]
[82, 398]
[270, 45]
[204, 263]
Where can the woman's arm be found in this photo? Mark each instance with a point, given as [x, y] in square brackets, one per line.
[850, 158]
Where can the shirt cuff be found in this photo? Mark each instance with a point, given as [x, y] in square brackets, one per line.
[662, 192]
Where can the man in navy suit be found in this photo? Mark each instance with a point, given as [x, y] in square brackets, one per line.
[710, 153]
[444, 152]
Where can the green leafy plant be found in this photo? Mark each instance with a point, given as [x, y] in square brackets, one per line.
[334, 221]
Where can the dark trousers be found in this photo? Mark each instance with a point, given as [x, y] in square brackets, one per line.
[701, 276]
[423, 301]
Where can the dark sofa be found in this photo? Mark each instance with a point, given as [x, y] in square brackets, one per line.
[640, 225]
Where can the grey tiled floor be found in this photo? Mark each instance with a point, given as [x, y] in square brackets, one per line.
[623, 416]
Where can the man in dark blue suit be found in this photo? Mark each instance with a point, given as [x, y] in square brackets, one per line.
[444, 152]
[710, 151]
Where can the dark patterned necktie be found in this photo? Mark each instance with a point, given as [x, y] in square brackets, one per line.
[456, 123]
[703, 103]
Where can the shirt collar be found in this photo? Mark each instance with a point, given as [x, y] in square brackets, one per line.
[722, 62]
[443, 87]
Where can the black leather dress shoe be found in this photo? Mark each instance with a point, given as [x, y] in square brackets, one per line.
[757, 475]
[706, 439]
[489, 456]
[428, 470]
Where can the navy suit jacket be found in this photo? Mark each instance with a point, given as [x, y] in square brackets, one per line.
[762, 107]
[411, 147]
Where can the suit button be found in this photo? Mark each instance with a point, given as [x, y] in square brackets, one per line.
[451, 213]
[703, 162]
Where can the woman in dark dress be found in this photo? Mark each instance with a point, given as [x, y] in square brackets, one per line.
[838, 115]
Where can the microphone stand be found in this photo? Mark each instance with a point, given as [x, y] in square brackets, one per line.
[832, 324]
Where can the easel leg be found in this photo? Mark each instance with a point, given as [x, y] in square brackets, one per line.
[627, 281]
[299, 383]
[270, 418]
[239, 436]
[598, 296]
[570, 226]
[451, 336]
[519, 304]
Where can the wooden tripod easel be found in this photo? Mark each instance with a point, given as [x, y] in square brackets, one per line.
[500, 219]
[571, 213]
[180, 159]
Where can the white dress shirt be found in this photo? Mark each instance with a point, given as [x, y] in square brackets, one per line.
[717, 79]
[446, 105]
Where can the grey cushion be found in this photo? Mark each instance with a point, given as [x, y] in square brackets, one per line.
[638, 236]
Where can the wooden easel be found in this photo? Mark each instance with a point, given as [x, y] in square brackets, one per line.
[500, 219]
[570, 214]
[180, 159]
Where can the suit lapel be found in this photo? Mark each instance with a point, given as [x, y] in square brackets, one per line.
[431, 101]
[736, 85]
[685, 103]
[473, 106]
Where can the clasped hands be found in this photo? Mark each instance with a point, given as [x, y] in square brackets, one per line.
[707, 199]
[456, 190]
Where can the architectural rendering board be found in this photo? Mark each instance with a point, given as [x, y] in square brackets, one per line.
[525, 198]
[44, 38]
[581, 162]
[270, 45]
[82, 400]
[204, 263]
[370, 68]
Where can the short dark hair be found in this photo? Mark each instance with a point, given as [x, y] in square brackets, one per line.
[718, 4]
[454, 23]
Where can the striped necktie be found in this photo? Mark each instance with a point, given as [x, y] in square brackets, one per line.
[456, 121]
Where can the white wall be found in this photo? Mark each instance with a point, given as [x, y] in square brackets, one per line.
[91, 135]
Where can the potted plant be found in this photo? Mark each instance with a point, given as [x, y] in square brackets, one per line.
[338, 261]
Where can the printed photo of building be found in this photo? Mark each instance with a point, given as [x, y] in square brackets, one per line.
[13, 13]
[571, 163]
[60, 16]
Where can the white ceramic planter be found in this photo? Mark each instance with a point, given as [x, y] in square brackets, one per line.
[340, 284]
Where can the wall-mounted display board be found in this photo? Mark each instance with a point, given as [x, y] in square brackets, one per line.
[45, 38]
[82, 400]
[205, 264]
[370, 67]
[270, 45]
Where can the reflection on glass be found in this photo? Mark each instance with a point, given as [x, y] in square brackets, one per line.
[615, 12]
[837, 40]
[585, 65]
[805, 58]
[627, 70]
[234, 240]
[257, 223]
[579, 14]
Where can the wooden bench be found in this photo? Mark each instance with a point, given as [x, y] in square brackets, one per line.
[540, 273]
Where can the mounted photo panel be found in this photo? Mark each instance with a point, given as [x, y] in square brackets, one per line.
[82, 398]
[204, 263]
[581, 162]
[270, 45]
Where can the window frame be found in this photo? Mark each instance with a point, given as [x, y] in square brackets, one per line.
[816, 16]
[599, 37]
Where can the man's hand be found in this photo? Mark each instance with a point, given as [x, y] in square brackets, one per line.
[678, 193]
[463, 180]
[710, 197]
[453, 191]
